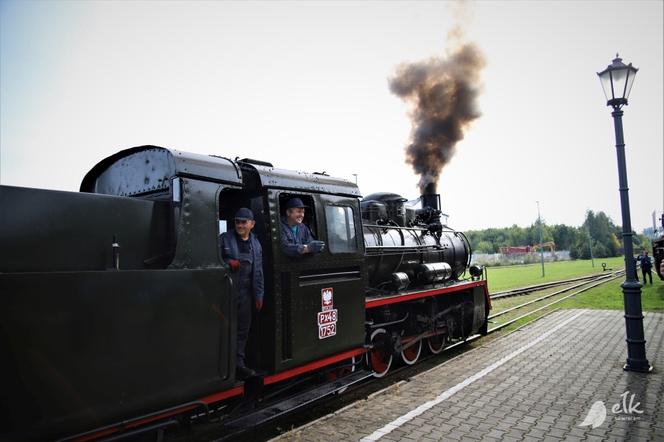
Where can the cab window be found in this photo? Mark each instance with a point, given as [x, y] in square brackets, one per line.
[340, 229]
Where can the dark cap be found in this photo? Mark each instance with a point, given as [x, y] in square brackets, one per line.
[244, 214]
[295, 202]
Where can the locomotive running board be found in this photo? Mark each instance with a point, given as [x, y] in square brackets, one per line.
[273, 411]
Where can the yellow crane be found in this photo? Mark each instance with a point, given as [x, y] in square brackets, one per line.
[550, 244]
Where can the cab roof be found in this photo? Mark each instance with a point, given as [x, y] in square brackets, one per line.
[147, 169]
[273, 177]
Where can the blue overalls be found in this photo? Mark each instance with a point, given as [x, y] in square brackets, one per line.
[248, 280]
[245, 297]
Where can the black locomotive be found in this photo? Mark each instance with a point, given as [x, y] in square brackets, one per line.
[658, 250]
[118, 312]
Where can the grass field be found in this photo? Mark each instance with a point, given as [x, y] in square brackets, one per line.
[607, 296]
[510, 277]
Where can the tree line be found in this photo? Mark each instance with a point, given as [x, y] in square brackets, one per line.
[598, 231]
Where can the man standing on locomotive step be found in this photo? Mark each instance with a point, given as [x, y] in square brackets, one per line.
[296, 238]
[243, 253]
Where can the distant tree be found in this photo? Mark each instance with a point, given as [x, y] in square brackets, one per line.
[603, 237]
[564, 236]
[474, 237]
[517, 236]
[574, 252]
[533, 233]
[641, 242]
[497, 237]
[484, 247]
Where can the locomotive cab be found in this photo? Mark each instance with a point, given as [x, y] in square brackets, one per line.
[314, 304]
[205, 191]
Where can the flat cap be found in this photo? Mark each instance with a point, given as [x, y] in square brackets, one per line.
[244, 214]
[295, 202]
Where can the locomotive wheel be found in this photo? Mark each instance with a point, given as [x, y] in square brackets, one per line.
[380, 356]
[412, 353]
[437, 343]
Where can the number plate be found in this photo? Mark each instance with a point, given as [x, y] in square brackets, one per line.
[325, 331]
[328, 317]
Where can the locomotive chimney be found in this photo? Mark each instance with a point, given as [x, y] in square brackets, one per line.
[430, 212]
[430, 198]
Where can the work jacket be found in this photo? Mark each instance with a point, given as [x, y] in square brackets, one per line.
[292, 245]
[646, 264]
[231, 250]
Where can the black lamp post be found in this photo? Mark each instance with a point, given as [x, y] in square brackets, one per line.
[617, 80]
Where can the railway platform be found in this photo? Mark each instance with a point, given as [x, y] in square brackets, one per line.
[559, 378]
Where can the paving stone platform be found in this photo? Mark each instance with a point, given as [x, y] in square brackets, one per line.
[538, 383]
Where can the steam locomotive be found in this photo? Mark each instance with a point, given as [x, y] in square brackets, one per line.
[119, 314]
[658, 251]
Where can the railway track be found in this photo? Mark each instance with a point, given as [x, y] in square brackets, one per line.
[559, 295]
[538, 287]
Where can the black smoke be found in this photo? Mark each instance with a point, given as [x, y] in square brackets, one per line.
[443, 94]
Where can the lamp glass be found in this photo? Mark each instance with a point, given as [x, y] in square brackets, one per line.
[630, 81]
[619, 77]
[605, 80]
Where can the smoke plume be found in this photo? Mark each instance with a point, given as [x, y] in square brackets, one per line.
[443, 94]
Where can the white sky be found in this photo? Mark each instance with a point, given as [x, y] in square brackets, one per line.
[304, 85]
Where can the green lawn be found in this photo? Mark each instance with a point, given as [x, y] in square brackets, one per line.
[610, 296]
[505, 278]
[607, 296]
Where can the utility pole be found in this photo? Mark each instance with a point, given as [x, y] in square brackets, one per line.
[590, 246]
[539, 221]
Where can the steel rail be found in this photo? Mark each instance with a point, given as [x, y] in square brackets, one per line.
[533, 288]
[614, 276]
[550, 295]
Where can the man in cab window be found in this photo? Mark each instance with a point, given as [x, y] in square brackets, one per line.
[296, 238]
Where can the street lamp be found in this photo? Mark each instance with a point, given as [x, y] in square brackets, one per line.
[617, 80]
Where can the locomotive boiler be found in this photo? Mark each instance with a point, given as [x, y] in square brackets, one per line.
[407, 245]
[118, 314]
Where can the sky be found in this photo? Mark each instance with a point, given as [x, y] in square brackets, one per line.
[304, 85]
